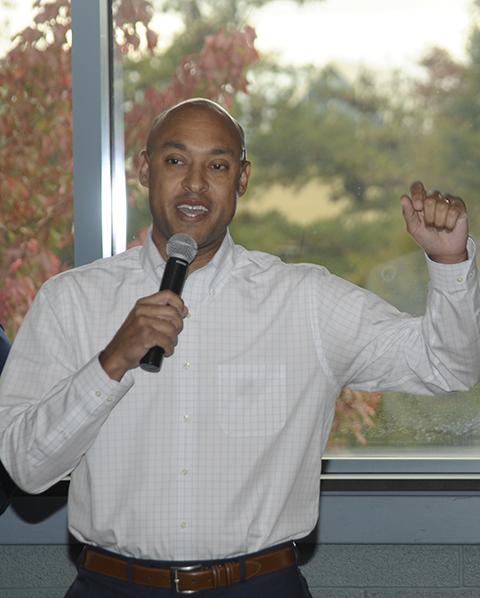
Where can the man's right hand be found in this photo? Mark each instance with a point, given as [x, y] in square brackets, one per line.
[156, 320]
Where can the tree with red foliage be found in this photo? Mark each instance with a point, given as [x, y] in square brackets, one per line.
[36, 131]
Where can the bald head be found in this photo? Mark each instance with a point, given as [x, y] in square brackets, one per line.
[200, 103]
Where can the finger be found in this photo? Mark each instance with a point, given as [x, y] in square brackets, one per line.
[159, 333]
[451, 219]
[441, 209]
[172, 316]
[458, 203]
[407, 209]
[457, 211]
[418, 194]
[154, 309]
[152, 315]
[429, 207]
[167, 338]
[165, 298]
[171, 298]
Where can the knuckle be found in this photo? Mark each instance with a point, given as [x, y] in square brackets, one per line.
[139, 303]
[429, 201]
[143, 321]
[171, 332]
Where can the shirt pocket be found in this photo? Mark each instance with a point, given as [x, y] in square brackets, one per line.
[251, 399]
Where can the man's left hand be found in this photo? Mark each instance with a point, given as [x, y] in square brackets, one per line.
[438, 223]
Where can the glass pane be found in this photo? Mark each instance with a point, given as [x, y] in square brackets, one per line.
[35, 152]
[345, 102]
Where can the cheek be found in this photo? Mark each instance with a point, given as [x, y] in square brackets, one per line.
[163, 190]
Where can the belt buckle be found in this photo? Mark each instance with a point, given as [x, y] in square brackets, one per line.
[176, 580]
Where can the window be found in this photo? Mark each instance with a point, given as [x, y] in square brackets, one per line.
[342, 114]
[425, 516]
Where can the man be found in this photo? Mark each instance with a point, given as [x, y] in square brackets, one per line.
[4, 348]
[201, 476]
[6, 484]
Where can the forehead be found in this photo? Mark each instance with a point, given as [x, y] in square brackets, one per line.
[199, 127]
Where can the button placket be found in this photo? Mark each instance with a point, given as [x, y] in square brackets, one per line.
[186, 404]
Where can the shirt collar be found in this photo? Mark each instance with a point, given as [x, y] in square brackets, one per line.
[151, 259]
[212, 275]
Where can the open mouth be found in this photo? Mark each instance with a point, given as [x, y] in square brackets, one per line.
[192, 211]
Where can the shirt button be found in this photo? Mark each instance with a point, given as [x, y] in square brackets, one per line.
[183, 525]
[186, 365]
[186, 417]
[109, 399]
[98, 393]
[184, 471]
[460, 279]
[212, 292]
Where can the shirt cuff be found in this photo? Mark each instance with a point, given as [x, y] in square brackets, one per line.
[454, 277]
[100, 390]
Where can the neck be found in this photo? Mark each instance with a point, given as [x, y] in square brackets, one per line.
[204, 255]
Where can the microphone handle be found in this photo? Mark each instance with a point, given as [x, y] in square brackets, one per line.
[173, 279]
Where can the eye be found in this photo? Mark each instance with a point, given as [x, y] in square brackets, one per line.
[172, 161]
[220, 166]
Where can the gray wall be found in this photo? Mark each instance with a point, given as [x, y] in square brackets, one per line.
[333, 571]
[368, 545]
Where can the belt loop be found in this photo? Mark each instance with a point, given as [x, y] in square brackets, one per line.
[82, 556]
[215, 579]
[295, 550]
[229, 573]
[129, 571]
[243, 569]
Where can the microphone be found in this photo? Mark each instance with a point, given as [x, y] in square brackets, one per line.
[181, 251]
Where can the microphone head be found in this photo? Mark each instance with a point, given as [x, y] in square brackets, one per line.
[183, 247]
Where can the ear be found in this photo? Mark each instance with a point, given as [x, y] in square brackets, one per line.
[144, 168]
[244, 177]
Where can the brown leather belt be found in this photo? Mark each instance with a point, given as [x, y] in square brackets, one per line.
[193, 578]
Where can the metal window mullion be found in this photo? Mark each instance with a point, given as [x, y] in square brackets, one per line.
[91, 89]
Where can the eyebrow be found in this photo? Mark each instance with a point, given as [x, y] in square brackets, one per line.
[215, 151]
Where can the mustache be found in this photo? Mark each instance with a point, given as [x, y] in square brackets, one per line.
[193, 198]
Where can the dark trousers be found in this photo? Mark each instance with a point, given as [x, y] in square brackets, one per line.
[288, 583]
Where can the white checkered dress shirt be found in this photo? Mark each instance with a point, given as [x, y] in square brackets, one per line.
[219, 453]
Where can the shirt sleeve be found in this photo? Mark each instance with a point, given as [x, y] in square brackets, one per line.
[369, 345]
[4, 348]
[50, 409]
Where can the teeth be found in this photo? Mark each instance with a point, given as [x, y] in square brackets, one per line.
[192, 210]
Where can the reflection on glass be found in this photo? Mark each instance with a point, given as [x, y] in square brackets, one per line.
[35, 152]
[342, 114]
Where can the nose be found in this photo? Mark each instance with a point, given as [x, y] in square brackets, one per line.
[195, 180]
